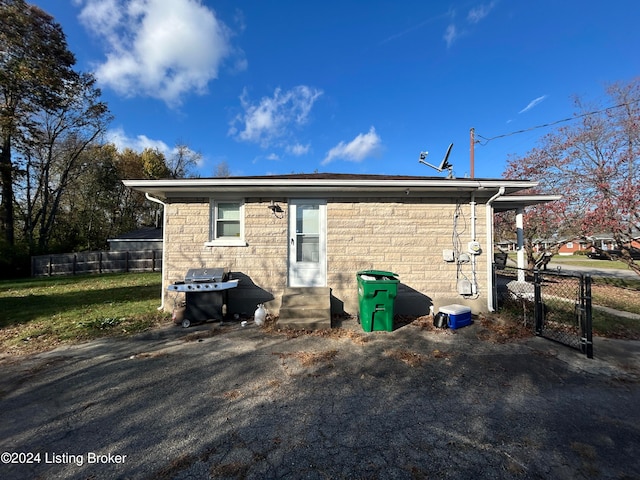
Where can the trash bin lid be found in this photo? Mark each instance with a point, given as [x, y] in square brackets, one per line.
[377, 273]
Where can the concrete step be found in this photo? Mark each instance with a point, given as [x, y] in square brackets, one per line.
[308, 291]
[307, 308]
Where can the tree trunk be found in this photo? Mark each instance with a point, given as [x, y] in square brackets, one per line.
[6, 204]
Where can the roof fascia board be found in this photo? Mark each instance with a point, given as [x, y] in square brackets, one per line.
[382, 187]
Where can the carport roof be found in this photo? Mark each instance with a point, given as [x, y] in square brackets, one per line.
[513, 202]
[325, 184]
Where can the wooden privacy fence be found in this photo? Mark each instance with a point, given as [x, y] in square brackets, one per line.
[96, 262]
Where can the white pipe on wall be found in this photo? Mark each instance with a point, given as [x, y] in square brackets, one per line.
[520, 250]
[164, 242]
[489, 225]
[473, 216]
[474, 283]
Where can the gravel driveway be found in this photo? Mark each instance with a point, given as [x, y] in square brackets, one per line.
[240, 402]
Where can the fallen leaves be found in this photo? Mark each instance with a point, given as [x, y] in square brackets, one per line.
[307, 359]
[499, 330]
[414, 359]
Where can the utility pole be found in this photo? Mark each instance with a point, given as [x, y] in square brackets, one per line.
[472, 152]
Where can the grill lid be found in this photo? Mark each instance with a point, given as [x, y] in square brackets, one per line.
[206, 275]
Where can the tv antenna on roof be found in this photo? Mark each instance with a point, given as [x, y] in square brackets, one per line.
[444, 164]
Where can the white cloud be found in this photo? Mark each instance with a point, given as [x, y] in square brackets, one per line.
[450, 35]
[272, 117]
[474, 16]
[478, 13]
[361, 147]
[157, 48]
[533, 103]
[298, 149]
[138, 143]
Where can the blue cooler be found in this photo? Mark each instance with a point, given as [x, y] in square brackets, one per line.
[458, 315]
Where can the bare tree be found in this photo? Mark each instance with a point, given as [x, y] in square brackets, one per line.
[50, 155]
[183, 162]
[35, 69]
[221, 169]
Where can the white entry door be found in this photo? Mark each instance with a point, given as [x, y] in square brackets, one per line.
[307, 243]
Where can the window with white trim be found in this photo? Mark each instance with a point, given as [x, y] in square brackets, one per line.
[226, 226]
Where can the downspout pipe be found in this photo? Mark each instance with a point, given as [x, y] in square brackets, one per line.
[164, 242]
[489, 227]
[474, 283]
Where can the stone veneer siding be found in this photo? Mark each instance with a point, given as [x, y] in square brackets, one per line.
[403, 235]
[407, 237]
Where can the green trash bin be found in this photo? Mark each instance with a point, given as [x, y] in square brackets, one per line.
[377, 292]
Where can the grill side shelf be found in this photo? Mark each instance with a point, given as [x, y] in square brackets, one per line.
[202, 286]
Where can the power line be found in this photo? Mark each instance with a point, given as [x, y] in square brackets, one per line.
[486, 140]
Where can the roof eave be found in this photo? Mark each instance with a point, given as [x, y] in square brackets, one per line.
[289, 187]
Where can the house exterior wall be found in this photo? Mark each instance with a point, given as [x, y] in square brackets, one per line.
[261, 266]
[569, 248]
[407, 237]
[402, 235]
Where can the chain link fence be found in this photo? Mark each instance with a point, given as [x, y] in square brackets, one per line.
[563, 309]
[515, 293]
[556, 306]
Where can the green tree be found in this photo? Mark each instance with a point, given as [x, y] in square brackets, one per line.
[135, 210]
[90, 211]
[154, 164]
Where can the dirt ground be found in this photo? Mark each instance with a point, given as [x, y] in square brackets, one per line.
[484, 401]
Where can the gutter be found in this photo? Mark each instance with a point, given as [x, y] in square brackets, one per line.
[164, 242]
[266, 185]
[489, 227]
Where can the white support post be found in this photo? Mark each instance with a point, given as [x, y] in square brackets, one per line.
[520, 248]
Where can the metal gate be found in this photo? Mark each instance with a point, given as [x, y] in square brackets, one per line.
[562, 309]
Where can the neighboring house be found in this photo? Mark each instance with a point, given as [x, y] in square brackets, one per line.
[143, 239]
[603, 241]
[543, 244]
[570, 247]
[307, 230]
[607, 244]
[507, 245]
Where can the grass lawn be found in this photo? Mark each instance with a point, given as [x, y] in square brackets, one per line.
[622, 295]
[582, 261]
[39, 313]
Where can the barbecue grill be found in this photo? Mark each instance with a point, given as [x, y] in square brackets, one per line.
[206, 292]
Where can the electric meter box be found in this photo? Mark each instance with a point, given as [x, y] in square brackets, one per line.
[448, 256]
[474, 248]
[457, 315]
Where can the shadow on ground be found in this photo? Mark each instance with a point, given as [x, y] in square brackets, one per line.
[234, 402]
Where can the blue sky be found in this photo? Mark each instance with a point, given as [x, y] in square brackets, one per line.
[347, 86]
